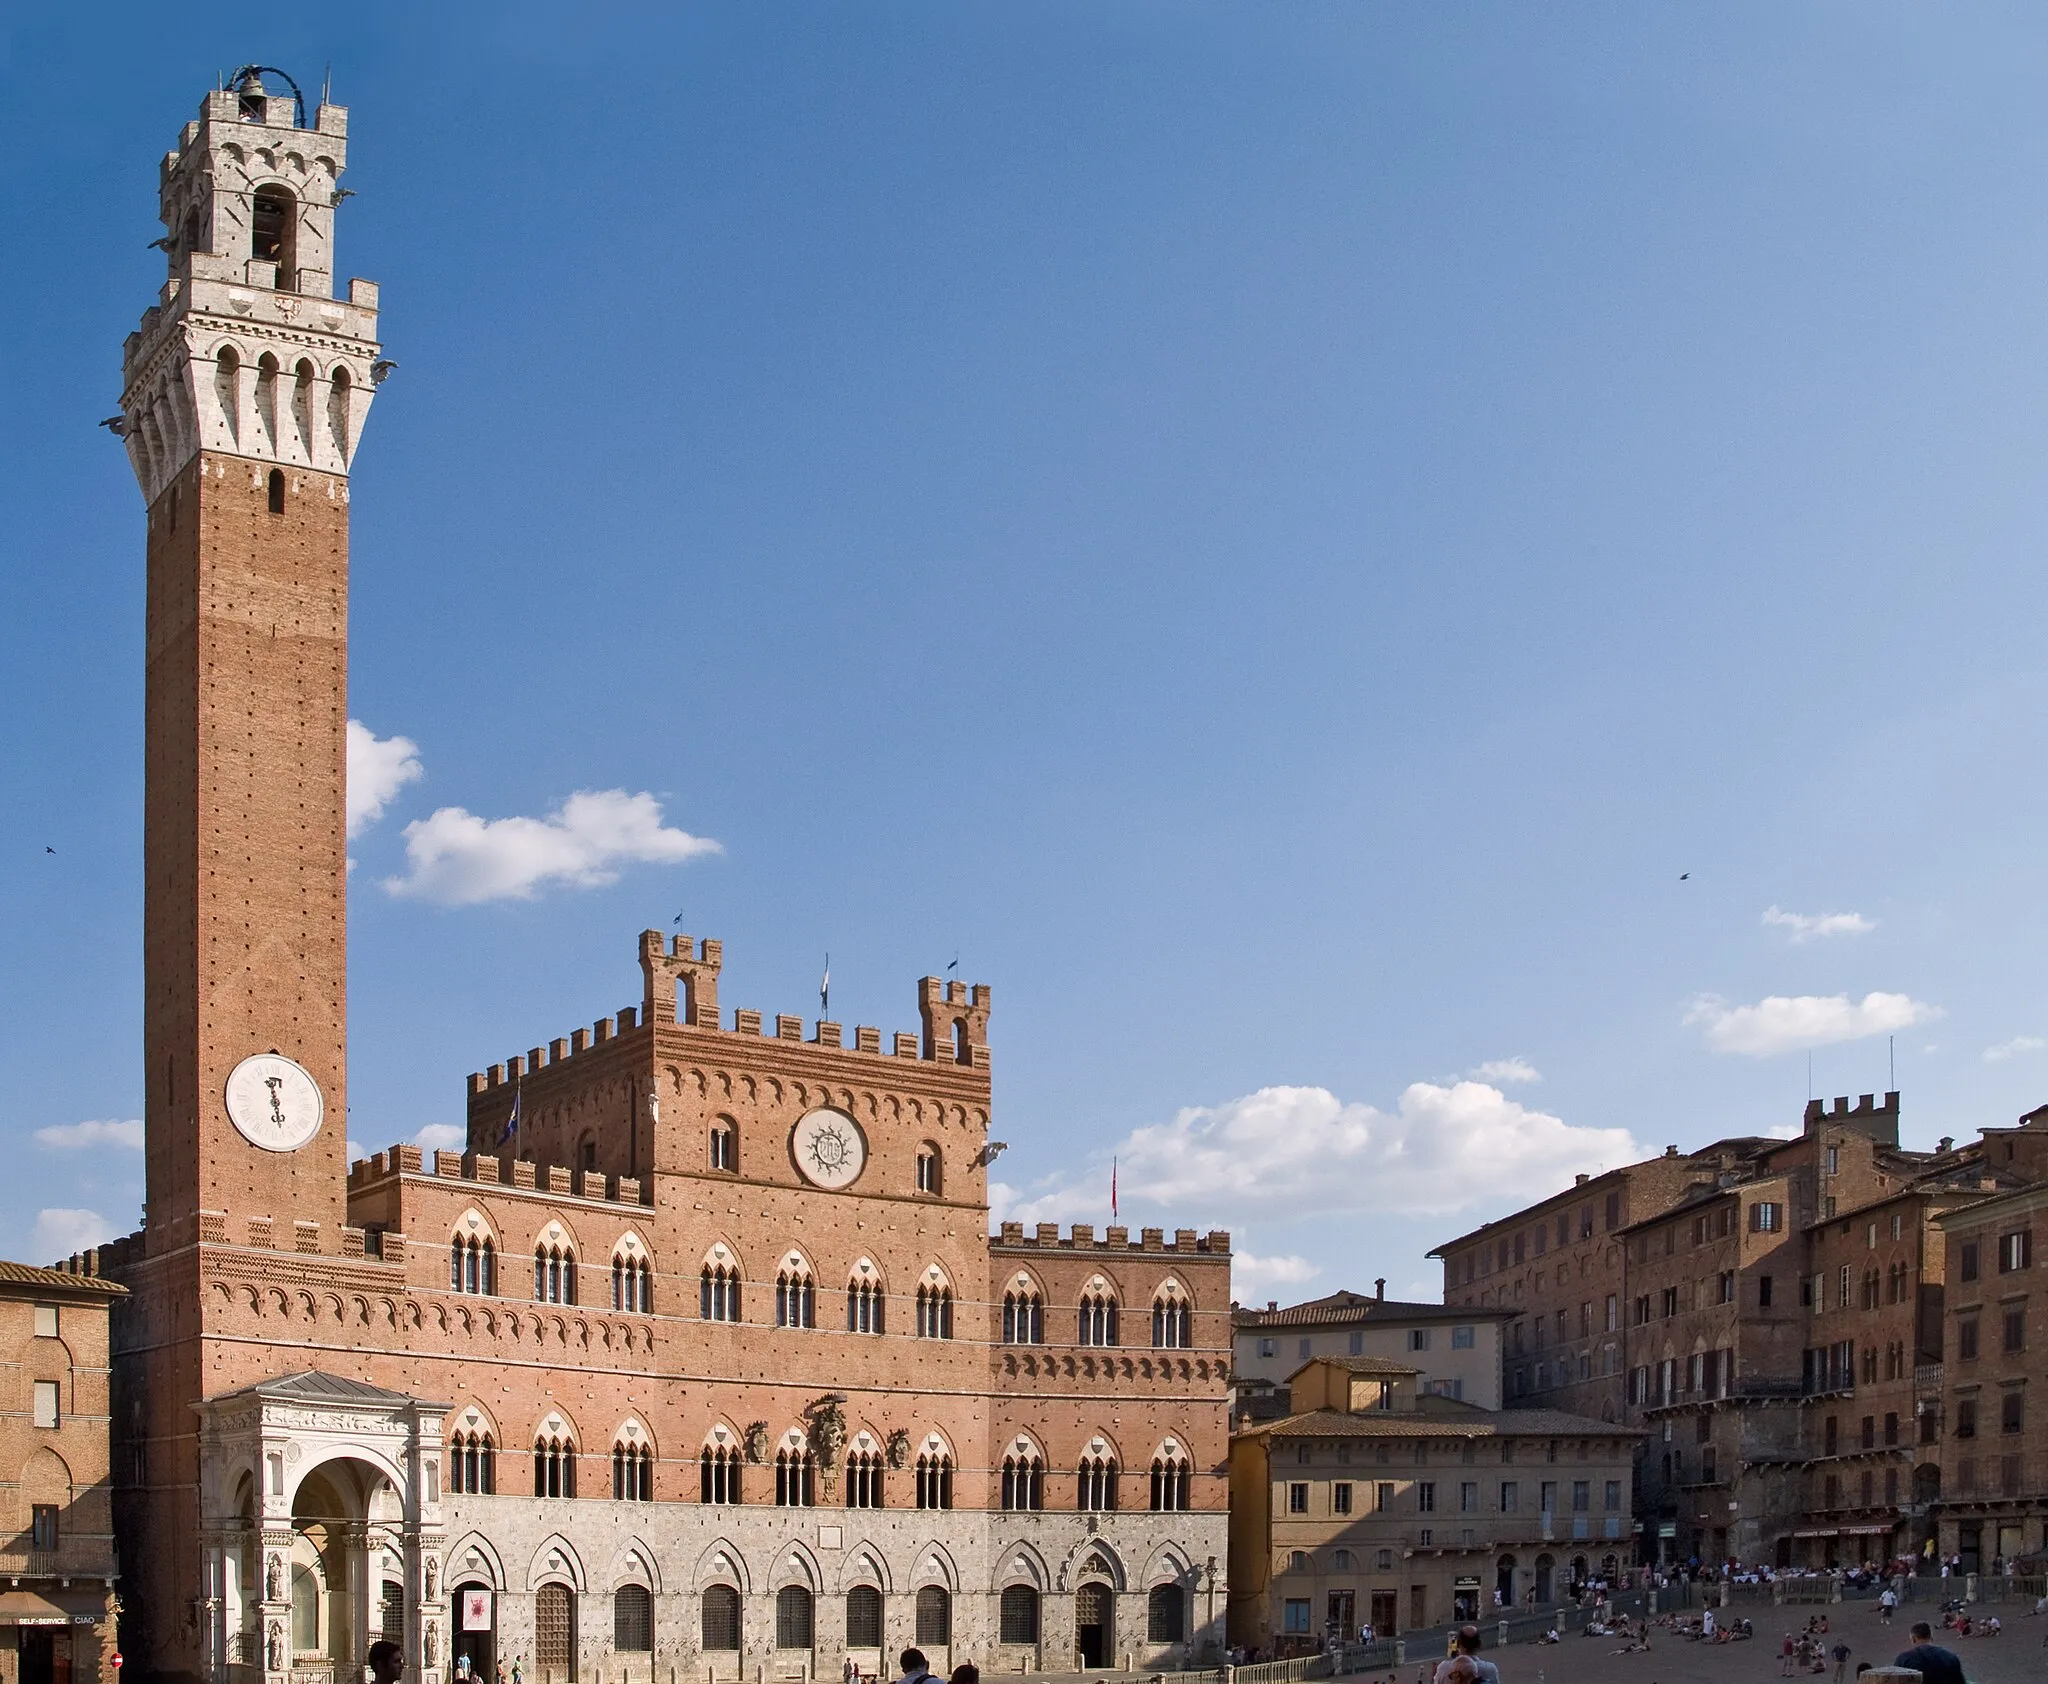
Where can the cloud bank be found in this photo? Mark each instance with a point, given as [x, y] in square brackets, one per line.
[59, 1232]
[378, 768]
[1812, 926]
[1287, 1154]
[459, 859]
[1508, 1070]
[2013, 1048]
[76, 1137]
[1789, 1023]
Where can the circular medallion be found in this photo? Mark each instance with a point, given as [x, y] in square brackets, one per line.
[829, 1148]
[274, 1102]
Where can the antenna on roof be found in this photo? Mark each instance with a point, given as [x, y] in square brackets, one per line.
[326, 81]
[1891, 1043]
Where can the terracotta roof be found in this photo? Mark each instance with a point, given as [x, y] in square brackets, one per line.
[1467, 1423]
[1340, 1309]
[1359, 1365]
[57, 1280]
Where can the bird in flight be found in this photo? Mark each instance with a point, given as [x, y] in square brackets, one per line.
[1684, 875]
[49, 850]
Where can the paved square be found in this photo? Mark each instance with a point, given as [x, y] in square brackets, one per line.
[2017, 1655]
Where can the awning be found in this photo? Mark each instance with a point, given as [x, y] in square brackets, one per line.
[1818, 1532]
[1883, 1531]
[27, 1608]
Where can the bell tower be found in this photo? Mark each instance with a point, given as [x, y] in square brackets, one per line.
[245, 392]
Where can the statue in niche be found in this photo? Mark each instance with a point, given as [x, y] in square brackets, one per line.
[273, 1580]
[433, 1577]
[430, 1646]
[274, 1648]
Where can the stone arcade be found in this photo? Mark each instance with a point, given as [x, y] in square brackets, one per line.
[709, 1366]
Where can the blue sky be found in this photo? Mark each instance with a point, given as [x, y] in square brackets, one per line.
[1275, 534]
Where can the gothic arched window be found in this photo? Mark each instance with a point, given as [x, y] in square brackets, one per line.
[1023, 1317]
[1098, 1319]
[934, 1312]
[632, 1471]
[1173, 1322]
[472, 1265]
[718, 1293]
[554, 1466]
[472, 1464]
[1097, 1483]
[720, 1469]
[554, 1273]
[864, 1480]
[796, 1297]
[864, 1305]
[1023, 1482]
[1172, 1483]
[632, 1284]
[795, 1484]
[935, 1480]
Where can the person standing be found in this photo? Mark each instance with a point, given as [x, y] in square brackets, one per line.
[1935, 1664]
[1841, 1656]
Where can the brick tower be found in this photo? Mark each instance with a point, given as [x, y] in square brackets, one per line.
[245, 391]
[245, 394]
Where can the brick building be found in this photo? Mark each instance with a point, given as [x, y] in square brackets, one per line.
[1779, 1306]
[701, 1357]
[1453, 1353]
[56, 1622]
[1374, 1501]
[1993, 1453]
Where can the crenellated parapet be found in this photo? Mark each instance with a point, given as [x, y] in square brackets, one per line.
[1082, 1237]
[513, 1175]
[247, 352]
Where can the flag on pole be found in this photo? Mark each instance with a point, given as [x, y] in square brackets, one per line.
[511, 1122]
[1112, 1189]
[825, 989]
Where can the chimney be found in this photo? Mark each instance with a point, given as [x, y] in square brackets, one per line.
[1944, 1143]
[1379, 1289]
[1581, 1179]
[1272, 1303]
[1671, 1151]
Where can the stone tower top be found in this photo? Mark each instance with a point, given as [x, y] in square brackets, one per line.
[247, 351]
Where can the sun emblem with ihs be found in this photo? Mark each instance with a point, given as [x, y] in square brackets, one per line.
[828, 1147]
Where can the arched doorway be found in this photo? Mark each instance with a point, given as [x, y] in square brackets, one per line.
[473, 1627]
[554, 1634]
[1546, 1576]
[1504, 1581]
[1094, 1624]
[347, 1522]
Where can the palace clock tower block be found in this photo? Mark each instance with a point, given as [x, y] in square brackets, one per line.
[245, 394]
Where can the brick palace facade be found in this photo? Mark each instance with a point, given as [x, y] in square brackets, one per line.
[707, 1367]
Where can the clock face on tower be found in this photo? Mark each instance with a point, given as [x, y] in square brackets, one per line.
[829, 1148]
[273, 1102]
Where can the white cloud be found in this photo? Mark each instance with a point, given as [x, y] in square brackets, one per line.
[1292, 1153]
[1786, 1023]
[442, 1137]
[458, 859]
[2013, 1048]
[357, 1151]
[98, 1131]
[1251, 1277]
[1813, 926]
[1508, 1070]
[60, 1232]
[378, 768]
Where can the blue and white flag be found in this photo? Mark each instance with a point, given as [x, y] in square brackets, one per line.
[511, 1122]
